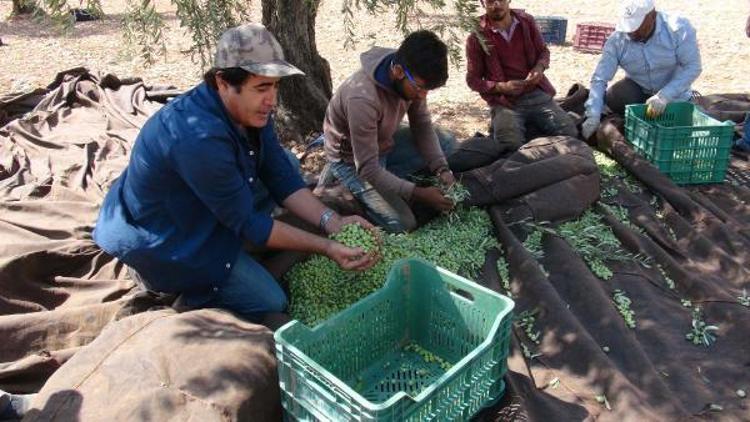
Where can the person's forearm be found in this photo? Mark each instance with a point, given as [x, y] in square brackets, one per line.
[544, 58]
[689, 66]
[425, 136]
[603, 74]
[384, 181]
[595, 102]
[306, 206]
[679, 85]
[289, 238]
[476, 69]
[683, 79]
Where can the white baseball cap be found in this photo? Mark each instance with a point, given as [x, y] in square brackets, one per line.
[632, 13]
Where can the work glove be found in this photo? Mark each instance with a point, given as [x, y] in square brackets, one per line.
[589, 127]
[655, 106]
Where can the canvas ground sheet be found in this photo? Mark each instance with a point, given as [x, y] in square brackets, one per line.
[690, 249]
[61, 147]
[57, 289]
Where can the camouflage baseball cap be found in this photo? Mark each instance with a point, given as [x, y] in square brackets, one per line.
[253, 48]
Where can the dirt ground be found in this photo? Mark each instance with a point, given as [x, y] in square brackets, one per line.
[35, 53]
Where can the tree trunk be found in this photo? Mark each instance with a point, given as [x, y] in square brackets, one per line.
[302, 100]
[22, 7]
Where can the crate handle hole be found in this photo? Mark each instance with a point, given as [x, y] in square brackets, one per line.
[462, 293]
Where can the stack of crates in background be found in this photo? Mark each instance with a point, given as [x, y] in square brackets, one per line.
[590, 37]
[553, 28]
[685, 144]
[428, 346]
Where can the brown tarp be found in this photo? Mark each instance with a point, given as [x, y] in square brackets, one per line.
[558, 170]
[58, 291]
[700, 237]
[203, 365]
[726, 106]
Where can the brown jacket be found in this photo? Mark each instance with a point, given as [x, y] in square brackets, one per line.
[360, 122]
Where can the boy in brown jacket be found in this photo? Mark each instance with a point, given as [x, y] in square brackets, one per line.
[364, 147]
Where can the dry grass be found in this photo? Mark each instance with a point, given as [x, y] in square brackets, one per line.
[35, 53]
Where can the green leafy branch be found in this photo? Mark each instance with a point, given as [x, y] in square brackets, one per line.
[504, 273]
[744, 299]
[59, 12]
[596, 243]
[622, 303]
[143, 26]
[526, 321]
[206, 20]
[701, 333]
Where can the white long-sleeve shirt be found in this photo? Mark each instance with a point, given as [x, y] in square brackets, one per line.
[667, 64]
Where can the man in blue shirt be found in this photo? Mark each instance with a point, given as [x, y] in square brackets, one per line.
[660, 56]
[191, 194]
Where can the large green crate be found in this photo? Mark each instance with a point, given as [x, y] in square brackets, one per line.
[353, 366]
[684, 143]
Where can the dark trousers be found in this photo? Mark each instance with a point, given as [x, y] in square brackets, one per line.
[536, 113]
[623, 93]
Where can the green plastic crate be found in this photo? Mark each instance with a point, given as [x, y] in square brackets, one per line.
[683, 143]
[354, 367]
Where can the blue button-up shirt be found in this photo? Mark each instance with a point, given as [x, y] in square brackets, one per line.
[667, 64]
[179, 212]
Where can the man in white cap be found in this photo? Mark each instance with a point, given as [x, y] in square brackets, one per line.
[191, 195]
[660, 56]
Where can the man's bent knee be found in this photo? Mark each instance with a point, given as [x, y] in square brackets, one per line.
[277, 303]
[507, 130]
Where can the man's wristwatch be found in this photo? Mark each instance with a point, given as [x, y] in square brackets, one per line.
[327, 215]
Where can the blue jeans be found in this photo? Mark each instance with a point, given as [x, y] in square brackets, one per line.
[404, 160]
[250, 291]
[390, 212]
